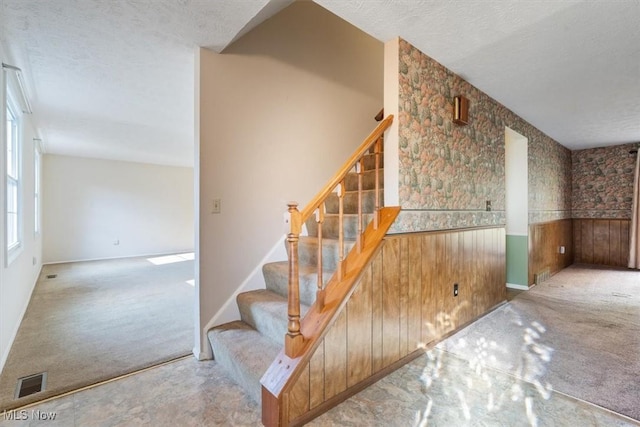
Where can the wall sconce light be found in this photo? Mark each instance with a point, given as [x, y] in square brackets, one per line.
[460, 110]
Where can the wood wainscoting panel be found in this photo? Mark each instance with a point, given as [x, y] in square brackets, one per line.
[545, 241]
[577, 240]
[376, 313]
[414, 296]
[465, 308]
[484, 294]
[391, 301]
[428, 310]
[586, 236]
[335, 357]
[359, 331]
[615, 249]
[442, 279]
[625, 237]
[402, 302]
[601, 241]
[316, 378]
[404, 297]
[299, 396]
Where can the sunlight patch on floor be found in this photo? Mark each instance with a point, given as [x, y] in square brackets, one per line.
[475, 388]
[170, 259]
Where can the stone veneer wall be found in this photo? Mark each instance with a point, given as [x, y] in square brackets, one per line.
[603, 182]
[448, 172]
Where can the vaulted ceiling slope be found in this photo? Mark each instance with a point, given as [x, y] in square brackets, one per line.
[115, 79]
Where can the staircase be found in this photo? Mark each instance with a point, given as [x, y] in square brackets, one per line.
[246, 348]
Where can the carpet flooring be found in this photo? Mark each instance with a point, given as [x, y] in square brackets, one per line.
[577, 333]
[101, 319]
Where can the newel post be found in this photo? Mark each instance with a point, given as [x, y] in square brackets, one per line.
[293, 340]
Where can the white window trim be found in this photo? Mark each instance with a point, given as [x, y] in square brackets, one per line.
[13, 251]
[37, 189]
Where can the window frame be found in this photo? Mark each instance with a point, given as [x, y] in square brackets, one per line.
[13, 175]
[37, 188]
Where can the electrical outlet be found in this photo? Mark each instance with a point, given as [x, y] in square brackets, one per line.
[455, 289]
[561, 249]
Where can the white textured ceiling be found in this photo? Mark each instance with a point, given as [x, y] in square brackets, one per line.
[114, 78]
[571, 68]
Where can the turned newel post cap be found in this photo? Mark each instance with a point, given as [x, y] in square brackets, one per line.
[292, 205]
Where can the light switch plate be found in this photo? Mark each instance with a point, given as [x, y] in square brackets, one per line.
[215, 206]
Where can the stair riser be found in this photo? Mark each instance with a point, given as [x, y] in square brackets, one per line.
[308, 253]
[269, 317]
[370, 161]
[277, 280]
[331, 226]
[351, 202]
[368, 180]
[234, 348]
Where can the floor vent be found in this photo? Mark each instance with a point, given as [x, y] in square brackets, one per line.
[541, 276]
[31, 384]
[51, 276]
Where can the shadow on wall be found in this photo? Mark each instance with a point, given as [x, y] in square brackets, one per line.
[295, 19]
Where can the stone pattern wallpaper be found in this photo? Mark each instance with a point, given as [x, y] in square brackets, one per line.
[449, 172]
[603, 182]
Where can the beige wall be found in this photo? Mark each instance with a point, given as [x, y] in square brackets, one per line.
[279, 111]
[90, 204]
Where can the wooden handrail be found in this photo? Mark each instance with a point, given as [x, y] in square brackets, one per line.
[344, 170]
[294, 339]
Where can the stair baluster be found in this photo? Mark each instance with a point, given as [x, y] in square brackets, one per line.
[376, 210]
[341, 191]
[360, 172]
[293, 340]
[320, 221]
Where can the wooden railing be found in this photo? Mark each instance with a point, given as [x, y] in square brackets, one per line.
[294, 339]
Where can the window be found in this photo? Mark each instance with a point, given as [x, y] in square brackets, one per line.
[13, 220]
[37, 164]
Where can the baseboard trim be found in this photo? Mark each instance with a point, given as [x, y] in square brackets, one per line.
[119, 257]
[200, 355]
[518, 287]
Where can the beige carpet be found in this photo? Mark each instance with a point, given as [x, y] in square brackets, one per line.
[100, 319]
[577, 333]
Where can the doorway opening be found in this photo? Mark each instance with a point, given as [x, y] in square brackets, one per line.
[517, 209]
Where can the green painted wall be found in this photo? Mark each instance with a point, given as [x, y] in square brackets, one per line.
[517, 260]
